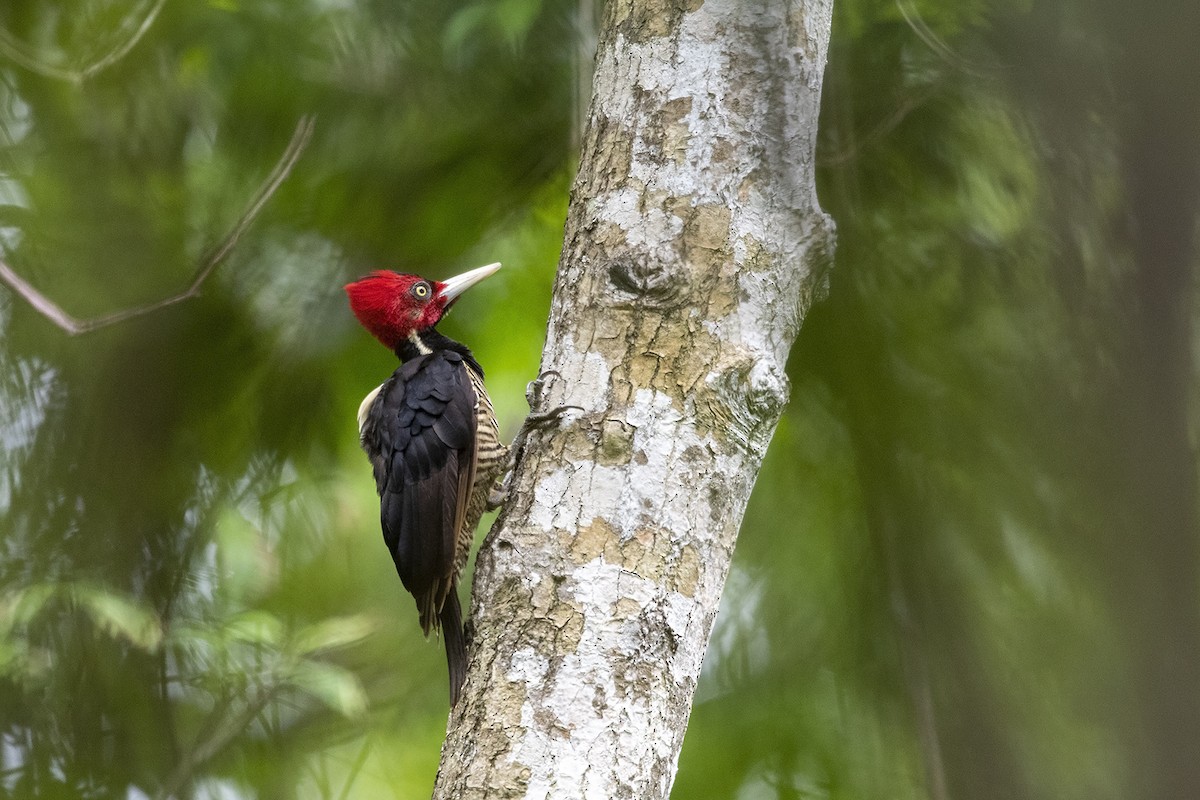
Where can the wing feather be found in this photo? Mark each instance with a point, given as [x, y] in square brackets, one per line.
[420, 434]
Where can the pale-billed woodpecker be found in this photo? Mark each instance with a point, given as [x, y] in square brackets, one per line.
[432, 438]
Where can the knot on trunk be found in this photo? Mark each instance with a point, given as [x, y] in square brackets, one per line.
[647, 278]
[748, 397]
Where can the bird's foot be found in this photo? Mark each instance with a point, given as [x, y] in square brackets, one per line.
[534, 389]
[536, 420]
[499, 491]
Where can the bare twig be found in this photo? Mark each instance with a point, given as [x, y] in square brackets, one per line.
[205, 747]
[73, 325]
[120, 51]
[16, 52]
[19, 53]
[356, 768]
[889, 124]
[916, 22]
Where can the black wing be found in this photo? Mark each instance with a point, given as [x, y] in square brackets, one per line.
[420, 435]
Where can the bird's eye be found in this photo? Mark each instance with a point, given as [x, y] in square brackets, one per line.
[421, 290]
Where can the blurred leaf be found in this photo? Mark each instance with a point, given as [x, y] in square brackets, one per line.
[464, 25]
[335, 686]
[256, 627]
[120, 616]
[248, 566]
[510, 20]
[112, 613]
[22, 605]
[332, 633]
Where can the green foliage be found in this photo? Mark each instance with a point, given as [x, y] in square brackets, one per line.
[923, 602]
[930, 595]
[193, 595]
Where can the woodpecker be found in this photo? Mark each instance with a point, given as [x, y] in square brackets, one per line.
[431, 435]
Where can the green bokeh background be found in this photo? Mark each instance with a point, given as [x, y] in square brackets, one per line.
[969, 566]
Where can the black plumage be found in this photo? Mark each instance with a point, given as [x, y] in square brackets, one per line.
[420, 433]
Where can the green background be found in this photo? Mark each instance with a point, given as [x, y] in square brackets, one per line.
[969, 566]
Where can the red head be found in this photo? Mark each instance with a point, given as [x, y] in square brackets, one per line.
[392, 306]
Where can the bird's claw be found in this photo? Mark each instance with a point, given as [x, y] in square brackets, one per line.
[540, 419]
[534, 421]
[499, 491]
[533, 389]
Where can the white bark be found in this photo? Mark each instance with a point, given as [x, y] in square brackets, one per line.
[688, 264]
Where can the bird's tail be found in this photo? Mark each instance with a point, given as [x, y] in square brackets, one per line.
[456, 648]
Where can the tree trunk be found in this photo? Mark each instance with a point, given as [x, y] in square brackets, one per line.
[691, 253]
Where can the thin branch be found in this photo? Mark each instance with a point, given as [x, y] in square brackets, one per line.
[882, 129]
[121, 50]
[41, 304]
[206, 748]
[73, 325]
[13, 50]
[917, 23]
[356, 768]
[300, 139]
[20, 53]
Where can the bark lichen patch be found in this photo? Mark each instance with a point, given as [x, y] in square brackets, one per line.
[755, 256]
[666, 134]
[614, 153]
[719, 503]
[769, 390]
[566, 617]
[616, 443]
[696, 456]
[685, 574]
[548, 494]
[653, 19]
[591, 541]
[707, 227]
[527, 667]
[580, 441]
[640, 553]
[805, 35]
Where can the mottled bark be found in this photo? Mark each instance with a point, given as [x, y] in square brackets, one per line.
[693, 245]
